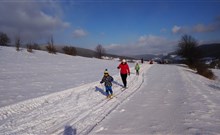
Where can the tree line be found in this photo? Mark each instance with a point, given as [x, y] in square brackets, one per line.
[50, 47]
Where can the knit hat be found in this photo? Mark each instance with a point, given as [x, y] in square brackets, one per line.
[106, 71]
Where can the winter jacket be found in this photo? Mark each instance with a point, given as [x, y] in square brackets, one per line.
[137, 67]
[107, 80]
[124, 68]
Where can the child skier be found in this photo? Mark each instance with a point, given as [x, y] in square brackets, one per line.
[137, 68]
[107, 79]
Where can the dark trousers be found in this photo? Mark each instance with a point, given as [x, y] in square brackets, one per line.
[137, 72]
[124, 79]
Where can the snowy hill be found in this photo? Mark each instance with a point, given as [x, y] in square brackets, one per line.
[43, 93]
[27, 75]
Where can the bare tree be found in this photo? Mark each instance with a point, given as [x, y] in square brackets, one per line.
[29, 47]
[17, 43]
[100, 51]
[4, 39]
[187, 48]
[50, 46]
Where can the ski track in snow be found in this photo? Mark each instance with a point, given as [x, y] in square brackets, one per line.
[26, 75]
[175, 101]
[80, 108]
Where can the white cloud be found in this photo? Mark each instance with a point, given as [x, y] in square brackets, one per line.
[31, 20]
[201, 28]
[146, 44]
[150, 40]
[78, 33]
[211, 27]
[198, 28]
[113, 46]
[176, 29]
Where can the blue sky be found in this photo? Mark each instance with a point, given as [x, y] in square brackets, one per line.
[122, 27]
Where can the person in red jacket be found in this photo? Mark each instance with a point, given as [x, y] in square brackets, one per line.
[124, 70]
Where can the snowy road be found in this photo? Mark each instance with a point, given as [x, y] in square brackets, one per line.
[164, 99]
[172, 100]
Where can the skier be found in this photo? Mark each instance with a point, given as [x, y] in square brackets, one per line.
[137, 68]
[142, 60]
[107, 79]
[124, 72]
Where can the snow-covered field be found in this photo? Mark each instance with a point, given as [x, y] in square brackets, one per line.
[61, 94]
[25, 75]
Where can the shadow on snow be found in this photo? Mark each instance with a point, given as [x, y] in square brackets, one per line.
[69, 131]
[214, 87]
[100, 90]
[114, 82]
